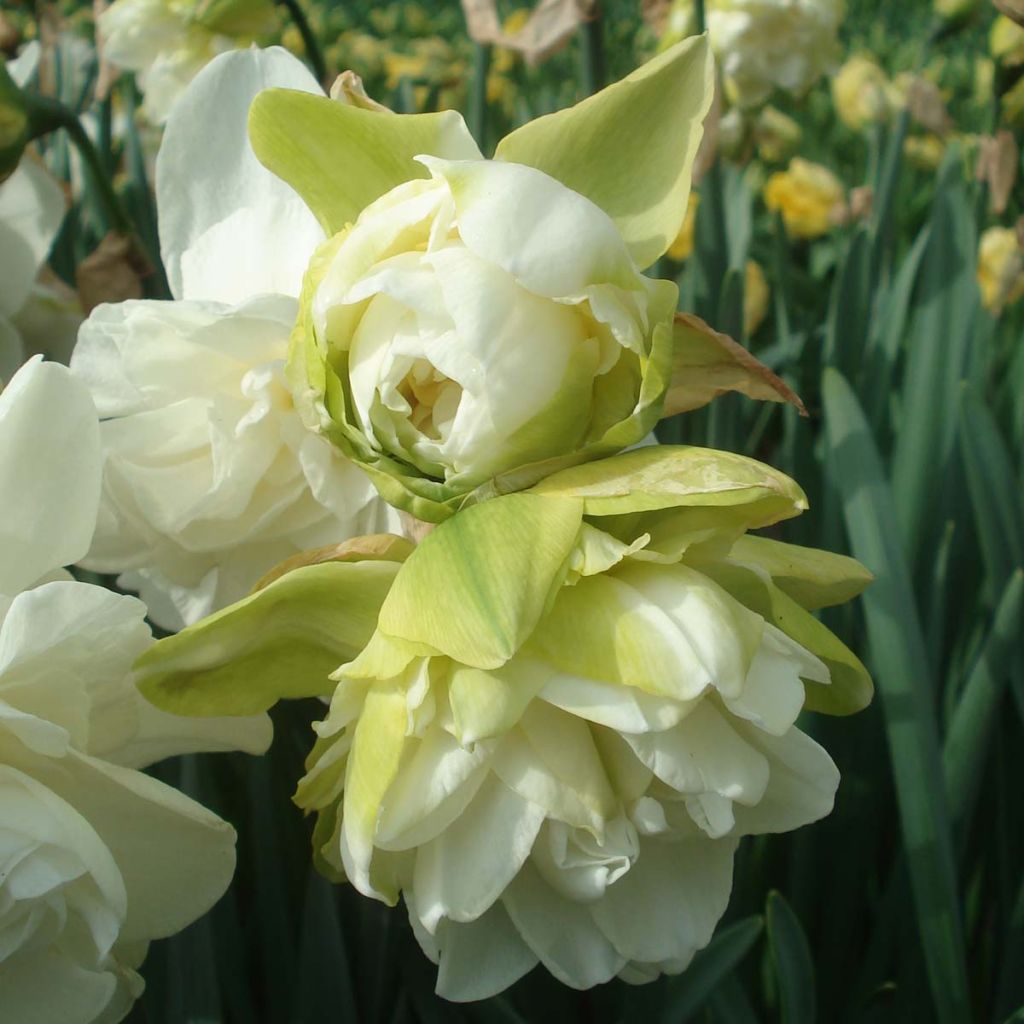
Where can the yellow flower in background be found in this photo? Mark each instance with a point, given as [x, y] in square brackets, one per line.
[807, 195]
[755, 298]
[1000, 269]
[778, 135]
[955, 10]
[924, 151]
[681, 248]
[1006, 41]
[860, 92]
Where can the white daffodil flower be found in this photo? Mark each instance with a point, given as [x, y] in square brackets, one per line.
[34, 316]
[96, 858]
[210, 476]
[168, 42]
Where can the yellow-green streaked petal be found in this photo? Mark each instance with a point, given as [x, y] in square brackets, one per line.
[475, 588]
[283, 641]
[676, 476]
[340, 158]
[630, 148]
[851, 688]
[372, 766]
[814, 579]
[708, 364]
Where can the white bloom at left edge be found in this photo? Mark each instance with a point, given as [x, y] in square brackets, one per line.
[36, 315]
[96, 858]
[210, 476]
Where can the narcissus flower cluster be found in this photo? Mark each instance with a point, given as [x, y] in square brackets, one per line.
[379, 449]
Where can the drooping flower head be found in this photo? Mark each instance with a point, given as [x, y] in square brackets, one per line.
[557, 715]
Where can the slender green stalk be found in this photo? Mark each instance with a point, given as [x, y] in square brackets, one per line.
[477, 113]
[47, 115]
[698, 13]
[309, 40]
[592, 69]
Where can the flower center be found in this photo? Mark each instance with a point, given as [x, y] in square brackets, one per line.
[433, 399]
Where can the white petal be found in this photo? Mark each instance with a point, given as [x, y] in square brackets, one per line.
[667, 906]
[465, 869]
[481, 958]
[562, 933]
[66, 652]
[802, 783]
[49, 460]
[175, 856]
[433, 788]
[229, 229]
[706, 753]
[31, 210]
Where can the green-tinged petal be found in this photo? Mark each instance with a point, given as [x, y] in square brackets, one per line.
[630, 148]
[708, 364]
[486, 704]
[666, 630]
[476, 587]
[282, 641]
[372, 766]
[814, 579]
[340, 158]
[671, 476]
[851, 688]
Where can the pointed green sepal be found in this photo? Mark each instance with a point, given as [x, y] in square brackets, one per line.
[850, 689]
[814, 579]
[477, 586]
[678, 476]
[283, 641]
[630, 148]
[341, 158]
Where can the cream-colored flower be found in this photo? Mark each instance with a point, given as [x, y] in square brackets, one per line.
[210, 476]
[562, 715]
[167, 42]
[98, 859]
[809, 197]
[763, 45]
[1000, 268]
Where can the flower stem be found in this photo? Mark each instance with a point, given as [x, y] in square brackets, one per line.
[592, 51]
[477, 113]
[46, 115]
[700, 16]
[309, 40]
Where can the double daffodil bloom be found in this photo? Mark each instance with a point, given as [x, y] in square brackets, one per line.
[555, 717]
[472, 325]
[97, 858]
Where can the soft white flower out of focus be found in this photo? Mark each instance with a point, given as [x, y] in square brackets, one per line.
[168, 42]
[98, 859]
[35, 315]
[762, 45]
[210, 476]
